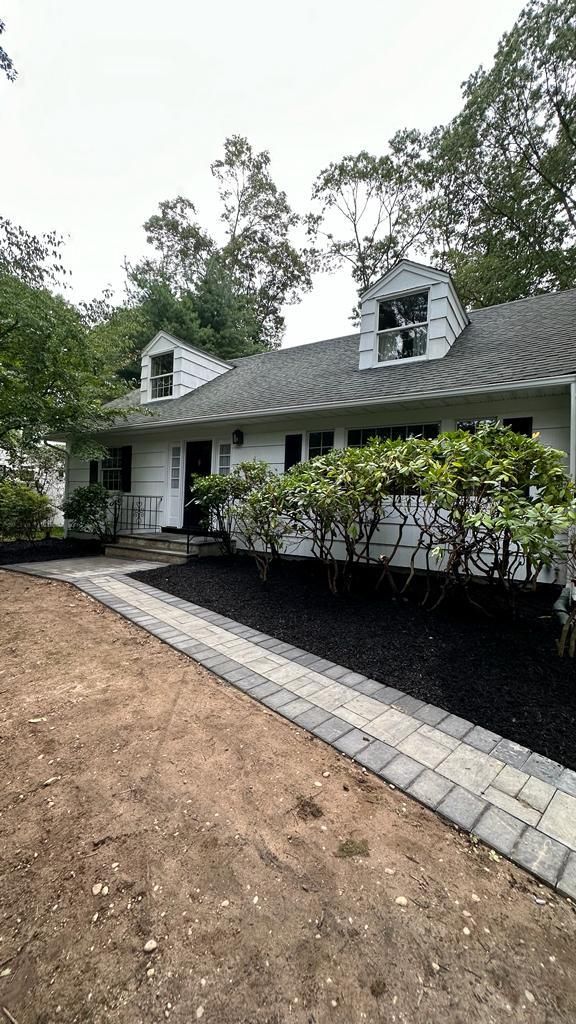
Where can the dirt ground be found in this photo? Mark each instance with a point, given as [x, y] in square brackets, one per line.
[142, 800]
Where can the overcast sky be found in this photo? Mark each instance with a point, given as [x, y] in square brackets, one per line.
[121, 104]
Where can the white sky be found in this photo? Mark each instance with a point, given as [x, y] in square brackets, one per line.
[121, 104]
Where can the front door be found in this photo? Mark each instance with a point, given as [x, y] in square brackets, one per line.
[198, 460]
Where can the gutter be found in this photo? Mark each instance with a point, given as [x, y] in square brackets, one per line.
[149, 422]
[573, 429]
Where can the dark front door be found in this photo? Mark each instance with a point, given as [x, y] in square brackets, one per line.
[198, 460]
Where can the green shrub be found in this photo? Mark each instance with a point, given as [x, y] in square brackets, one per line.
[23, 512]
[94, 509]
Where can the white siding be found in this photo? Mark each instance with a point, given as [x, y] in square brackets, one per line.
[446, 315]
[150, 452]
[192, 368]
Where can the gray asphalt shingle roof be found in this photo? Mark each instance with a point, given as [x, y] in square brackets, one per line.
[518, 341]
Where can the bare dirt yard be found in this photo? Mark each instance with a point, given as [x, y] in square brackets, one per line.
[146, 805]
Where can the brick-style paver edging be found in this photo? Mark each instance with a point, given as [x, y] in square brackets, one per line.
[518, 802]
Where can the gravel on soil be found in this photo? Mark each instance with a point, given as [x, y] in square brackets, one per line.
[500, 673]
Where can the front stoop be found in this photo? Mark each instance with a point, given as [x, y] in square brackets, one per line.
[165, 548]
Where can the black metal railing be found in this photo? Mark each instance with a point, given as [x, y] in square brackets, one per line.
[138, 512]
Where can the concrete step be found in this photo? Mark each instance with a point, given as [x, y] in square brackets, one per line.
[151, 554]
[199, 545]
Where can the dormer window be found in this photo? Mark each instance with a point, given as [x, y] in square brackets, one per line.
[161, 375]
[402, 326]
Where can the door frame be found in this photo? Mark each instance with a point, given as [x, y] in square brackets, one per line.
[186, 443]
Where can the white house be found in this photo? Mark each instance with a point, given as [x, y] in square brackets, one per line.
[420, 364]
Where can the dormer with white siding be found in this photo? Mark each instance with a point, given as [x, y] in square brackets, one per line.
[172, 368]
[411, 314]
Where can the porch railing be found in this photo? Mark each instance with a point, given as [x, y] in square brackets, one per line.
[138, 512]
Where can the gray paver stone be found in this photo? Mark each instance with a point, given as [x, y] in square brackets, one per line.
[276, 700]
[511, 753]
[331, 729]
[401, 771]
[567, 881]
[499, 829]
[352, 742]
[430, 788]
[387, 694]
[367, 687]
[430, 714]
[309, 719]
[376, 755]
[462, 808]
[351, 678]
[336, 673]
[482, 739]
[567, 782]
[543, 768]
[455, 726]
[541, 855]
[264, 690]
[295, 708]
[408, 704]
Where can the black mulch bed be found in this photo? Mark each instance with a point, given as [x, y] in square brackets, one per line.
[13, 551]
[500, 673]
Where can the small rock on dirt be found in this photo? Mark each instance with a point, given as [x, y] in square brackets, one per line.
[529, 996]
[150, 946]
[325, 775]
[97, 889]
[199, 1013]
[401, 901]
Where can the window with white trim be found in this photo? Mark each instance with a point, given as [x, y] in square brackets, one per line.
[161, 375]
[224, 458]
[112, 470]
[175, 468]
[357, 438]
[403, 326]
[320, 442]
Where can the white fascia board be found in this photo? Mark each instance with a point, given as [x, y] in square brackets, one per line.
[290, 410]
[173, 340]
[426, 273]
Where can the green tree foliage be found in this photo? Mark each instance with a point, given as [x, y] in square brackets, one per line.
[226, 297]
[94, 510]
[23, 511]
[504, 171]
[34, 259]
[6, 62]
[55, 370]
[370, 210]
[491, 197]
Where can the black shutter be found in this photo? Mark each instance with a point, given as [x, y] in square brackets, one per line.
[126, 470]
[93, 478]
[292, 450]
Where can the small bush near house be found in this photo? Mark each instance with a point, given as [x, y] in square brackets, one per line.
[23, 512]
[95, 510]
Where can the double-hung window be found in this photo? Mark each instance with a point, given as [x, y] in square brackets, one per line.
[224, 458]
[320, 442]
[112, 470]
[161, 375]
[402, 327]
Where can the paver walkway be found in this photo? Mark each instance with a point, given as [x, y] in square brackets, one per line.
[517, 801]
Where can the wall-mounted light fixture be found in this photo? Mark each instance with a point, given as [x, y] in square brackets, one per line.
[238, 437]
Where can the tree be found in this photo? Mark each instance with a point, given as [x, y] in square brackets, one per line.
[504, 169]
[258, 252]
[55, 371]
[371, 209]
[34, 259]
[225, 298]
[6, 62]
